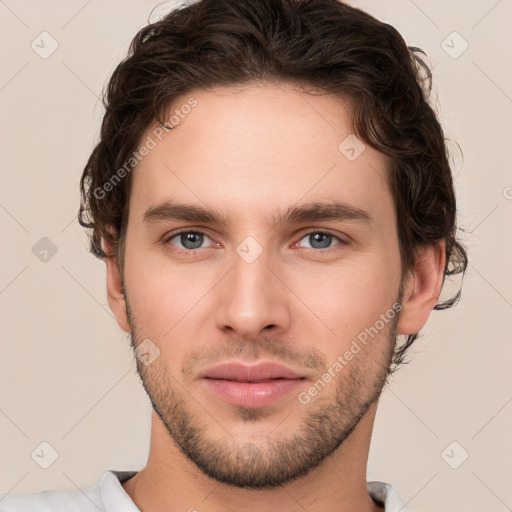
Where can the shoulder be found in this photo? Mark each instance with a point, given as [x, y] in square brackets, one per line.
[386, 495]
[89, 499]
[49, 500]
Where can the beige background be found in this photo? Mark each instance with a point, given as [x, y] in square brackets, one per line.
[67, 375]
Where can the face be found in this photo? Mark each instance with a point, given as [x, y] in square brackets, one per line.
[270, 317]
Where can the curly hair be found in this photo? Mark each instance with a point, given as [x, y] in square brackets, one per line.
[322, 44]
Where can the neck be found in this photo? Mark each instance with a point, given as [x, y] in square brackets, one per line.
[170, 482]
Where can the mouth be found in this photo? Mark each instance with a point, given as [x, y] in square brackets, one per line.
[253, 381]
[251, 385]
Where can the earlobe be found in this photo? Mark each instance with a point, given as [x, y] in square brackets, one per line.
[422, 288]
[115, 290]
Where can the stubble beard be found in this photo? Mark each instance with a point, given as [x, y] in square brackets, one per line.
[283, 456]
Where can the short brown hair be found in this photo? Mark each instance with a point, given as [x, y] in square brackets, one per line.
[321, 44]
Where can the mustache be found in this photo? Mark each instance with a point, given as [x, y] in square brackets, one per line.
[263, 347]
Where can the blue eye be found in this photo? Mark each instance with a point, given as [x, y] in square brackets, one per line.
[320, 240]
[189, 240]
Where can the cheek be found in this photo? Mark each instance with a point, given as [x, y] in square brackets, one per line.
[350, 298]
[160, 296]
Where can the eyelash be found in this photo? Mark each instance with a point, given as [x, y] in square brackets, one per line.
[198, 232]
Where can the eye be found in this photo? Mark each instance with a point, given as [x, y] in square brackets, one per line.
[188, 240]
[320, 240]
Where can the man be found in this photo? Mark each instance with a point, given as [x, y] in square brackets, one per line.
[273, 201]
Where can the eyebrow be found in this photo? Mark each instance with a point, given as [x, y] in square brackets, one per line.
[311, 212]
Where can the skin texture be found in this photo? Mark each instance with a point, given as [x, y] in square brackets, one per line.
[247, 153]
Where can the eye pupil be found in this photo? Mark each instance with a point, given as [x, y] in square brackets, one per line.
[195, 239]
[323, 238]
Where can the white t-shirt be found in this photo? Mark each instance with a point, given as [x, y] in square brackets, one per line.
[109, 496]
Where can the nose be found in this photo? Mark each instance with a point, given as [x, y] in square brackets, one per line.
[251, 299]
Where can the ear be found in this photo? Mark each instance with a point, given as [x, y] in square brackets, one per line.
[422, 288]
[115, 292]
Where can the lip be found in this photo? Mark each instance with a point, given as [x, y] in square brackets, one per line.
[255, 385]
[240, 372]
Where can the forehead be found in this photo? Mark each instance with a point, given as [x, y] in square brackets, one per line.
[249, 150]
